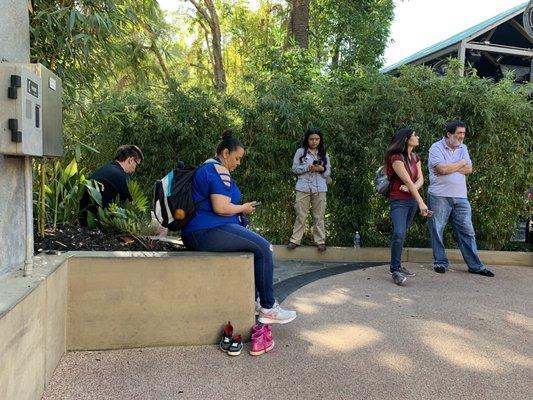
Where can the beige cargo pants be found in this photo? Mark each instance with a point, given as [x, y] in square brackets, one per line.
[317, 201]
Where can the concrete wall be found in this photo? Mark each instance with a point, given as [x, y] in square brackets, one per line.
[334, 254]
[488, 257]
[116, 300]
[14, 47]
[382, 254]
[140, 302]
[32, 339]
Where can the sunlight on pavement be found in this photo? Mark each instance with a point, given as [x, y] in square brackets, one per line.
[520, 320]
[401, 300]
[339, 296]
[459, 346]
[396, 362]
[340, 338]
[305, 306]
[334, 297]
[512, 357]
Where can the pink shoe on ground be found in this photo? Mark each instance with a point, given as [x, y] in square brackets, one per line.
[261, 343]
[264, 329]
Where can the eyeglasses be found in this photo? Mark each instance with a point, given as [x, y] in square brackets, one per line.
[136, 162]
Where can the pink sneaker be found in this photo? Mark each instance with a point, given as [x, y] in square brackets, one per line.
[261, 343]
[264, 329]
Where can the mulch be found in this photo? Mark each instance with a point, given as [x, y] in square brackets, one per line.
[77, 238]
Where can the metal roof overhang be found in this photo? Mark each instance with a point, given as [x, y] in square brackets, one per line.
[515, 51]
[462, 39]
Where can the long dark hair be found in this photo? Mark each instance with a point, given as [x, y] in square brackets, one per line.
[321, 150]
[228, 142]
[398, 143]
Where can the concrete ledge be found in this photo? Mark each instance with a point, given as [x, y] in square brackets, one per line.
[489, 257]
[332, 254]
[184, 299]
[14, 287]
[382, 254]
[32, 329]
[95, 301]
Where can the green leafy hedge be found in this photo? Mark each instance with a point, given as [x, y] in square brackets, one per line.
[358, 113]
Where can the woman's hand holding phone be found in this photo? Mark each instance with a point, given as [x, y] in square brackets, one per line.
[248, 208]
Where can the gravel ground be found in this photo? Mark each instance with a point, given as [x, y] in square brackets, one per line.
[357, 336]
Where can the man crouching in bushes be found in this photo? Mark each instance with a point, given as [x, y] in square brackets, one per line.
[113, 177]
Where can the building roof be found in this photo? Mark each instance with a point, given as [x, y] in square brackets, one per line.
[456, 39]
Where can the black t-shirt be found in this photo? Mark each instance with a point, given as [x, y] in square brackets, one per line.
[115, 182]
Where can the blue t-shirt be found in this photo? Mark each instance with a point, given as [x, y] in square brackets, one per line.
[207, 181]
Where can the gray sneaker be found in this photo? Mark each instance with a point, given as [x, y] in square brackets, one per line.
[275, 315]
[398, 278]
[405, 272]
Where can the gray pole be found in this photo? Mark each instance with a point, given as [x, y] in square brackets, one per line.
[527, 20]
[14, 31]
[461, 54]
[15, 227]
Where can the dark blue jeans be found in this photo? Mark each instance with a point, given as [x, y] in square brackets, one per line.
[235, 238]
[402, 213]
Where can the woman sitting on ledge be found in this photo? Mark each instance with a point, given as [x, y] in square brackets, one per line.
[216, 227]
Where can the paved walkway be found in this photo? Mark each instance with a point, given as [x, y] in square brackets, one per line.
[358, 336]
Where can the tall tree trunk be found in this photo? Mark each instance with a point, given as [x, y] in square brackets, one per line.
[220, 75]
[160, 59]
[209, 13]
[299, 23]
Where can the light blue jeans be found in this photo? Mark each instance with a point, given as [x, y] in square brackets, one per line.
[458, 212]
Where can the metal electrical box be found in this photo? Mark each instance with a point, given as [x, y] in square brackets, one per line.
[52, 113]
[20, 110]
[30, 111]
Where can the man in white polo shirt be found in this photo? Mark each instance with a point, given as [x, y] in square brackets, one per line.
[449, 163]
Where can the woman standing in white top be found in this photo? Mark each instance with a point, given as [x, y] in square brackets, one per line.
[312, 166]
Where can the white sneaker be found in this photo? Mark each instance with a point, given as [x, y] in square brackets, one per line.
[275, 315]
[257, 307]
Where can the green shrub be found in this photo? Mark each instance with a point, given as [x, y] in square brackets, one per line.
[130, 217]
[63, 188]
[358, 114]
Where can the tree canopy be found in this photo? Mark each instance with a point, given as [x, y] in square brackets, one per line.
[206, 43]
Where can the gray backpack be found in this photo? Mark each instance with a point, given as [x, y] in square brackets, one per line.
[382, 182]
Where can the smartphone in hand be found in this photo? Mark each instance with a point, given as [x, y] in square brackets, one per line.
[256, 203]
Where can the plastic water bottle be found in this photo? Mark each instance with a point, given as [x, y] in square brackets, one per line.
[357, 240]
